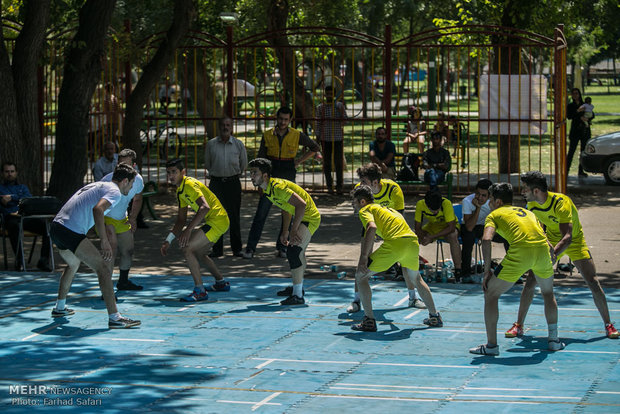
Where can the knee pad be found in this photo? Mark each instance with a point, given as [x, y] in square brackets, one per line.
[293, 254]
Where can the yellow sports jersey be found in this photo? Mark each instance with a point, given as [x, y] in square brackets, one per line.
[191, 190]
[557, 209]
[518, 226]
[444, 215]
[390, 195]
[390, 223]
[279, 191]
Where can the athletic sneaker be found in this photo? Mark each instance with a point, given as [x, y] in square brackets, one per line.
[248, 254]
[433, 321]
[485, 350]
[417, 303]
[281, 254]
[555, 345]
[128, 285]
[612, 333]
[354, 307]
[219, 286]
[196, 296]
[467, 280]
[367, 325]
[288, 291]
[60, 313]
[516, 330]
[293, 300]
[122, 322]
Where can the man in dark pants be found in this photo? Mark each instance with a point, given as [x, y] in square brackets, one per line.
[226, 159]
[280, 145]
[11, 191]
[331, 117]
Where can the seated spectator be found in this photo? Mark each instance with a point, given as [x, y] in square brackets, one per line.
[475, 211]
[106, 164]
[442, 126]
[436, 161]
[441, 223]
[11, 191]
[382, 153]
[416, 130]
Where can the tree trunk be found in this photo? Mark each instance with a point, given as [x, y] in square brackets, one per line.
[20, 126]
[81, 73]
[278, 15]
[153, 71]
[206, 106]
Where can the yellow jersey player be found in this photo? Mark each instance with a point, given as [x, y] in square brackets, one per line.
[559, 215]
[386, 193]
[529, 251]
[300, 219]
[196, 242]
[400, 244]
[435, 219]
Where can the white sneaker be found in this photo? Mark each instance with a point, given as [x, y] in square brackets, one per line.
[354, 307]
[417, 303]
[556, 345]
[484, 350]
[248, 254]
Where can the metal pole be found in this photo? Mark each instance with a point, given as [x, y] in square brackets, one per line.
[229, 70]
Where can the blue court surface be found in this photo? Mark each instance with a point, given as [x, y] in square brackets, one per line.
[242, 352]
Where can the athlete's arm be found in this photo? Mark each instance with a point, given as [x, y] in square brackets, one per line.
[98, 210]
[487, 237]
[203, 209]
[567, 238]
[135, 210]
[300, 208]
[176, 229]
[367, 242]
[448, 230]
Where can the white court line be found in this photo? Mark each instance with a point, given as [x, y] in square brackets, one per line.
[400, 302]
[412, 314]
[388, 390]
[458, 333]
[607, 392]
[232, 402]
[270, 360]
[264, 364]
[334, 343]
[436, 388]
[265, 401]
[42, 332]
[186, 307]
[359, 397]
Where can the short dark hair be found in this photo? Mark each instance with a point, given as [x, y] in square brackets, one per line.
[176, 162]
[5, 163]
[484, 184]
[263, 165]
[371, 171]
[329, 88]
[436, 134]
[284, 110]
[588, 100]
[363, 192]
[433, 199]
[535, 179]
[123, 171]
[502, 191]
[128, 152]
[381, 127]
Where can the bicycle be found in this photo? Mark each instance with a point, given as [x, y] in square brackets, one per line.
[164, 138]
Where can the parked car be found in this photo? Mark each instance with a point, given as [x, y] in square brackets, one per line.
[602, 155]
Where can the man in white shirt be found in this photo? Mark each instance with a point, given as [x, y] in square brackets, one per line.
[120, 227]
[226, 159]
[475, 211]
[68, 231]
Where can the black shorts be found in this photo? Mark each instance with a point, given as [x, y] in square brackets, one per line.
[64, 238]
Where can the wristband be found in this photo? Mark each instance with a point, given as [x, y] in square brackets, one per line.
[170, 237]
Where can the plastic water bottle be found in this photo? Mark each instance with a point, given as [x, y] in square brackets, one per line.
[341, 275]
[444, 274]
[325, 268]
[333, 268]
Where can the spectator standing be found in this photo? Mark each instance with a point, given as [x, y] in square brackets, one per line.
[579, 129]
[106, 164]
[329, 131]
[226, 159]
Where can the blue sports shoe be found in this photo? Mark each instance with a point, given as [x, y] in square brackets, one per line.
[196, 296]
[219, 286]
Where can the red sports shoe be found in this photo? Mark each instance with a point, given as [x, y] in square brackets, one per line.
[612, 333]
[516, 330]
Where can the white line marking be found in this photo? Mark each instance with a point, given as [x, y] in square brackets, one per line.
[549, 397]
[264, 364]
[607, 392]
[40, 333]
[400, 302]
[458, 333]
[397, 386]
[265, 401]
[231, 402]
[412, 314]
[186, 307]
[387, 390]
[358, 397]
[334, 343]
[269, 361]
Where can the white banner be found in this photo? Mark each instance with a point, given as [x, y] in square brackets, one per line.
[513, 104]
